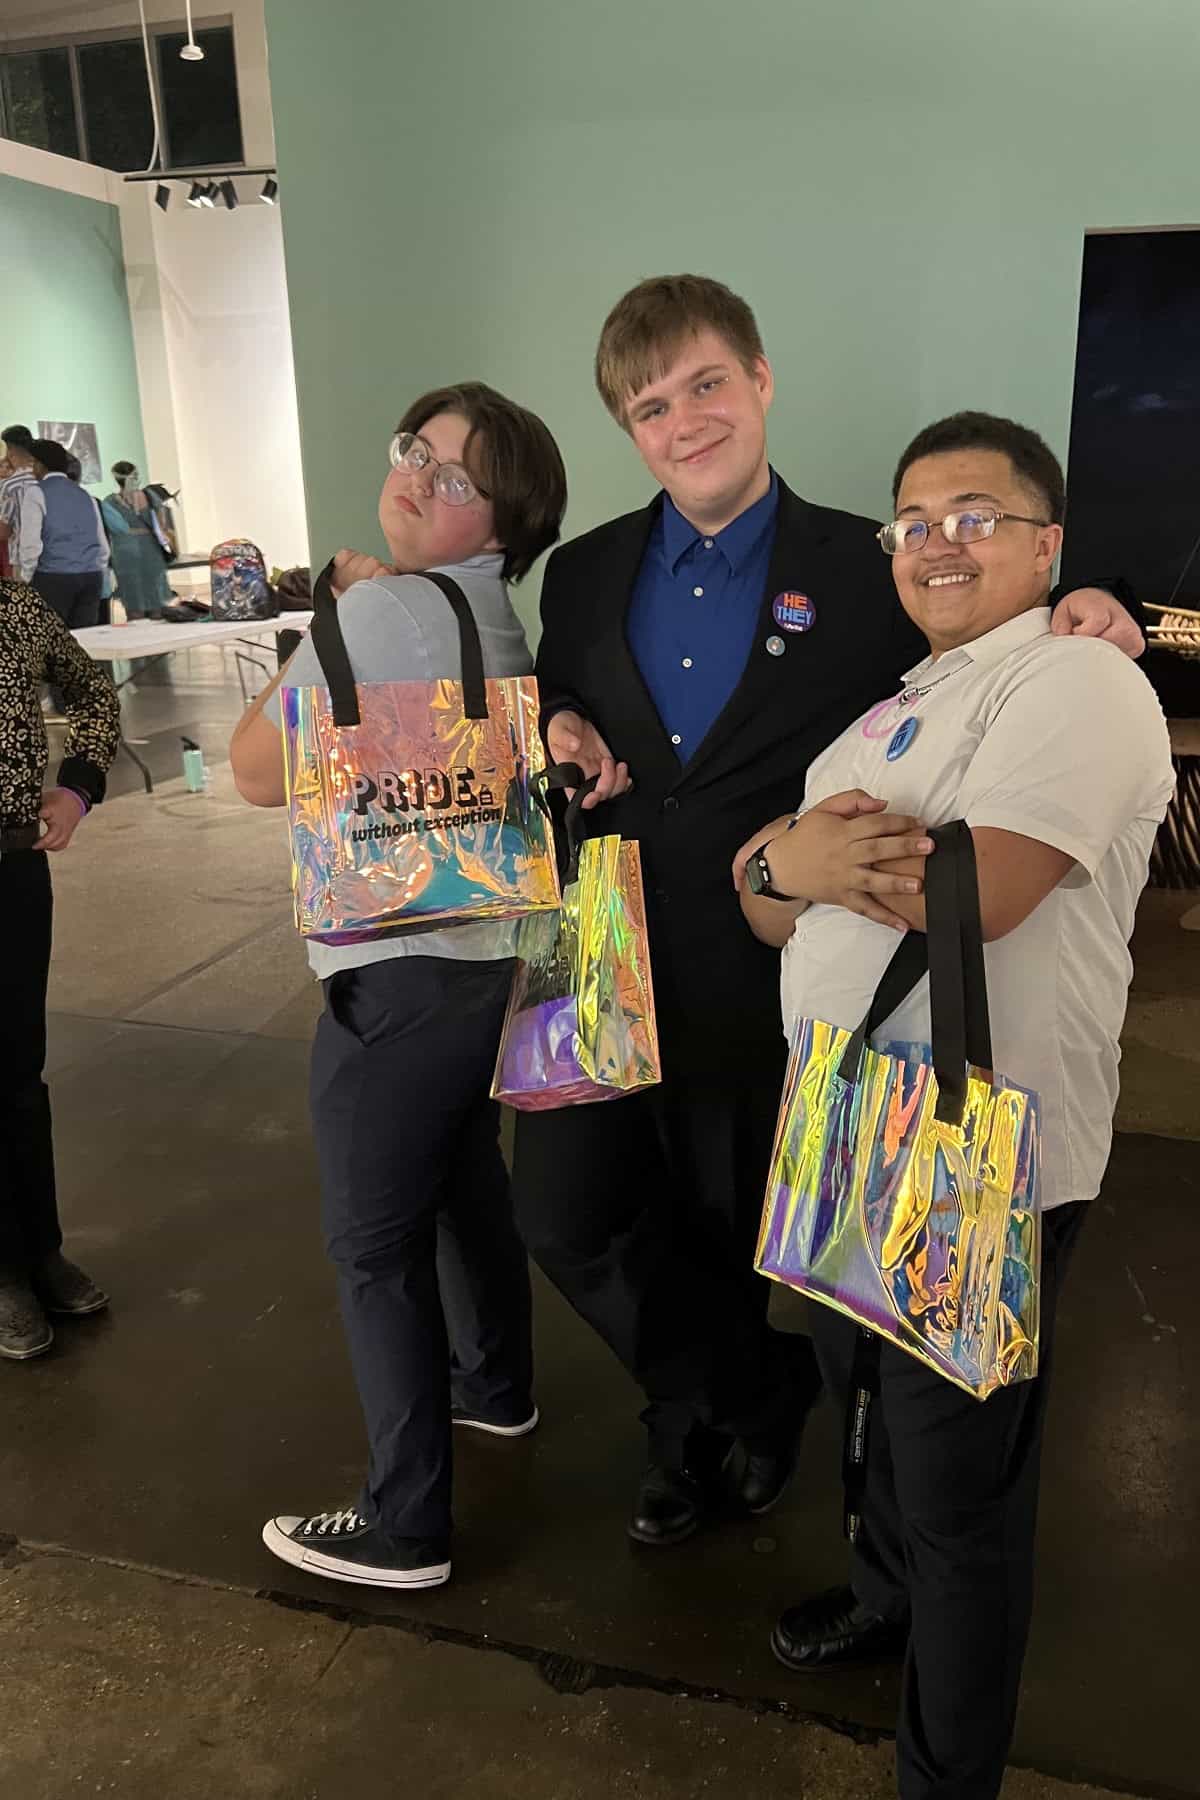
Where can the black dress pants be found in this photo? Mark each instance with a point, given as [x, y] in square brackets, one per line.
[644, 1213]
[432, 1279]
[75, 598]
[29, 1228]
[946, 1540]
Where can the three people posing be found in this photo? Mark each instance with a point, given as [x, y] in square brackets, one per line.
[699, 658]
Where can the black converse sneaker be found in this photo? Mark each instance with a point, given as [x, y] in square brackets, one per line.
[342, 1546]
[496, 1427]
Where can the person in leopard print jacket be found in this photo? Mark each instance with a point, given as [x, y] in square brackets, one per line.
[36, 647]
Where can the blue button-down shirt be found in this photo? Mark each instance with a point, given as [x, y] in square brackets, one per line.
[693, 614]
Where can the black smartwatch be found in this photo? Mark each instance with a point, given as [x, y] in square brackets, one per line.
[758, 878]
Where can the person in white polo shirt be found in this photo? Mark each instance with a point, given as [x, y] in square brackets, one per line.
[1056, 755]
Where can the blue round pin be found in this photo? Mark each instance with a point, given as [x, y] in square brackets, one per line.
[902, 739]
[793, 612]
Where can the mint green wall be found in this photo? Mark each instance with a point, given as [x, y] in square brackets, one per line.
[901, 188]
[66, 343]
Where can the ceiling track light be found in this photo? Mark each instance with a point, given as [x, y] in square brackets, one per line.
[203, 187]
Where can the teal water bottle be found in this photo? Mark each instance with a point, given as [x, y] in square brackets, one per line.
[193, 766]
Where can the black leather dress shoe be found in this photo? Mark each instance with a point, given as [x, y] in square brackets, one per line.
[766, 1473]
[770, 1461]
[835, 1631]
[668, 1508]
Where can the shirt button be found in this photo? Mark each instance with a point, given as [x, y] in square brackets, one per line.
[708, 543]
[675, 738]
[687, 662]
[670, 804]
[699, 593]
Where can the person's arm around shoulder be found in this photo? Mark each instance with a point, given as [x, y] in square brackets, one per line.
[1107, 609]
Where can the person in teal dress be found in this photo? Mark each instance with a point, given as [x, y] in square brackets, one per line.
[138, 562]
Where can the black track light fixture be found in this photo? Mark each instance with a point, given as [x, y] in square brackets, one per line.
[270, 191]
[229, 194]
[162, 196]
[196, 194]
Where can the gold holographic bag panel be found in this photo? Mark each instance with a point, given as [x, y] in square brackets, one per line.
[904, 1181]
[413, 804]
[580, 1024]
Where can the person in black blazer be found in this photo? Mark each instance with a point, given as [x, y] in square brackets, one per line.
[645, 1213]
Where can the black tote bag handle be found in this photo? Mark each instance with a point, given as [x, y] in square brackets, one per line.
[557, 777]
[951, 949]
[330, 646]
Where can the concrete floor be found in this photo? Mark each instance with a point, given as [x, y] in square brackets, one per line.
[148, 1644]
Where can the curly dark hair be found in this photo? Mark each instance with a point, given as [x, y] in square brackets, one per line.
[1035, 464]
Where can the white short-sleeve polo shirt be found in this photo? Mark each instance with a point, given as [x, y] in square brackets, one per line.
[1059, 739]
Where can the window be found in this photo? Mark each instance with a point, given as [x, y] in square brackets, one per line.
[1135, 424]
[200, 100]
[38, 102]
[118, 123]
[90, 99]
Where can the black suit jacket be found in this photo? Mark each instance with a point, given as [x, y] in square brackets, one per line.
[716, 986]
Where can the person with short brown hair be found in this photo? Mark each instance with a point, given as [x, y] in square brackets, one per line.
[515, 460]
[649, 325]
[708, 646]
[415, 1205]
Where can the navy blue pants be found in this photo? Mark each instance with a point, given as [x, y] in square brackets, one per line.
[946, 1541]
[432, 1279]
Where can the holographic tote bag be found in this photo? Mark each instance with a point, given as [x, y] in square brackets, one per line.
[580, 1024]
[413, 804]
[904, 1181]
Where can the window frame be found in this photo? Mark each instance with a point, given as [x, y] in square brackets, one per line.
[74, 41]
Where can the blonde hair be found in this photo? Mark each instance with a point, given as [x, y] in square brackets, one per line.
[645, 329]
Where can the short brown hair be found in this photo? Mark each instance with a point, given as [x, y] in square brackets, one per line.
[1035, 465]
[513, 459]
[645, 329]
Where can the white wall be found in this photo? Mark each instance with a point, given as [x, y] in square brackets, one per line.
[208, 300]
[222, 300]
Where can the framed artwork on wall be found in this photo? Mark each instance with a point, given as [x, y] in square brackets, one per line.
[77, 440]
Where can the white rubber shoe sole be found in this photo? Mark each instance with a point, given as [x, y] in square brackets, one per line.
[338, 1568]
[505, 1431]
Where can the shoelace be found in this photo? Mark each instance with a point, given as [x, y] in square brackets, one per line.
[331, 1524]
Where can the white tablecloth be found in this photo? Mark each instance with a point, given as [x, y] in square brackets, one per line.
[150, 637]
